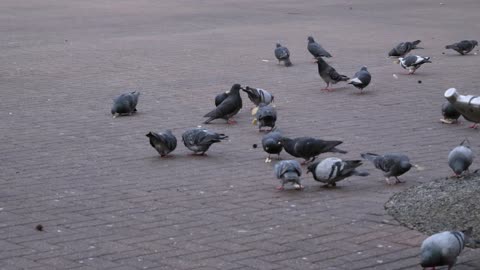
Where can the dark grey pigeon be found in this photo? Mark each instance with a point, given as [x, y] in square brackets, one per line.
[361, 79]
[413, 62]
[329, 74]
[163, 142]
[460, 158]
[309, 148]
[220, 98]
[392, 164]
[229, 107]
[125, 104]
[266, 116]
[450, 114]
[199, 139]
[271, 144]
[404, 47]
[443, 248]
[463, 47]
[258, 95]
[283, 55]
[316, 49]
[331, 170]
[288, 171]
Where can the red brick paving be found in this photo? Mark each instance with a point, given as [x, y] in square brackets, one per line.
[107, 201]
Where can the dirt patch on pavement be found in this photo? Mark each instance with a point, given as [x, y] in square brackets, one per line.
[440, 205]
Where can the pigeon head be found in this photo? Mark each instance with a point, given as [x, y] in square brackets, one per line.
[467, 234]
[458, 167]
[364, 68]
[474, 42]
[405, 165]
[149, 134]
[235, 88]
[278, 45]
[310, 39]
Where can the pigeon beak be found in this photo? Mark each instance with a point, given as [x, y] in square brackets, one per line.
[418, 167]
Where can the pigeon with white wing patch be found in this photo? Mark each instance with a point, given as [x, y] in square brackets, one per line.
[331, 170]
[413, 62]
[361, 79]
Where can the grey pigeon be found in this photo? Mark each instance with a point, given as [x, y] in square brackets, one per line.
[199, 139]
[329, 74]
[271, 144]
[316, 49]
[331, 170]
[443, 248]
[460, 158]
[125, 104]
[463, 47]
[229, 107]
[413, 62]
[266, 116]
[163, 142]
[283, 55]
[392, 164]
[361, 79]
[404, 47]
[450, 114]
[309, 148]
[258, 95]
[220, 98]
[288, 171]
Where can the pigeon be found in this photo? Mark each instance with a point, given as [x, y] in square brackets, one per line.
[288, 171]
[199, 139]
[220, 98]
[450, 114]
[164, 142]
[443, 248]
[309, 148]
[125, 104]
[331, 170]
[266, 116]
[228, 107]
[463, 47]
[413, 62]
[329, 74]
[283, 55]
[258, 95]
[316, 49]
[392, 164]
[404, 47]
[361, 79]
[271, 144]
[460, 158]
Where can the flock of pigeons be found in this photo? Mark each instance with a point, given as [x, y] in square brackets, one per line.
[439, 249]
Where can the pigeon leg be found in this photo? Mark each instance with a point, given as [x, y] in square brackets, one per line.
[474, 126]
[281, 187]
[326, 88]
[398, 180]
[388, 180]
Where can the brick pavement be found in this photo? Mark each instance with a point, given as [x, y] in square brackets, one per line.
[107, 201]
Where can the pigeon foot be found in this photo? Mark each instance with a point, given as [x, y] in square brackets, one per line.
[280, 188]
[474, 126]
